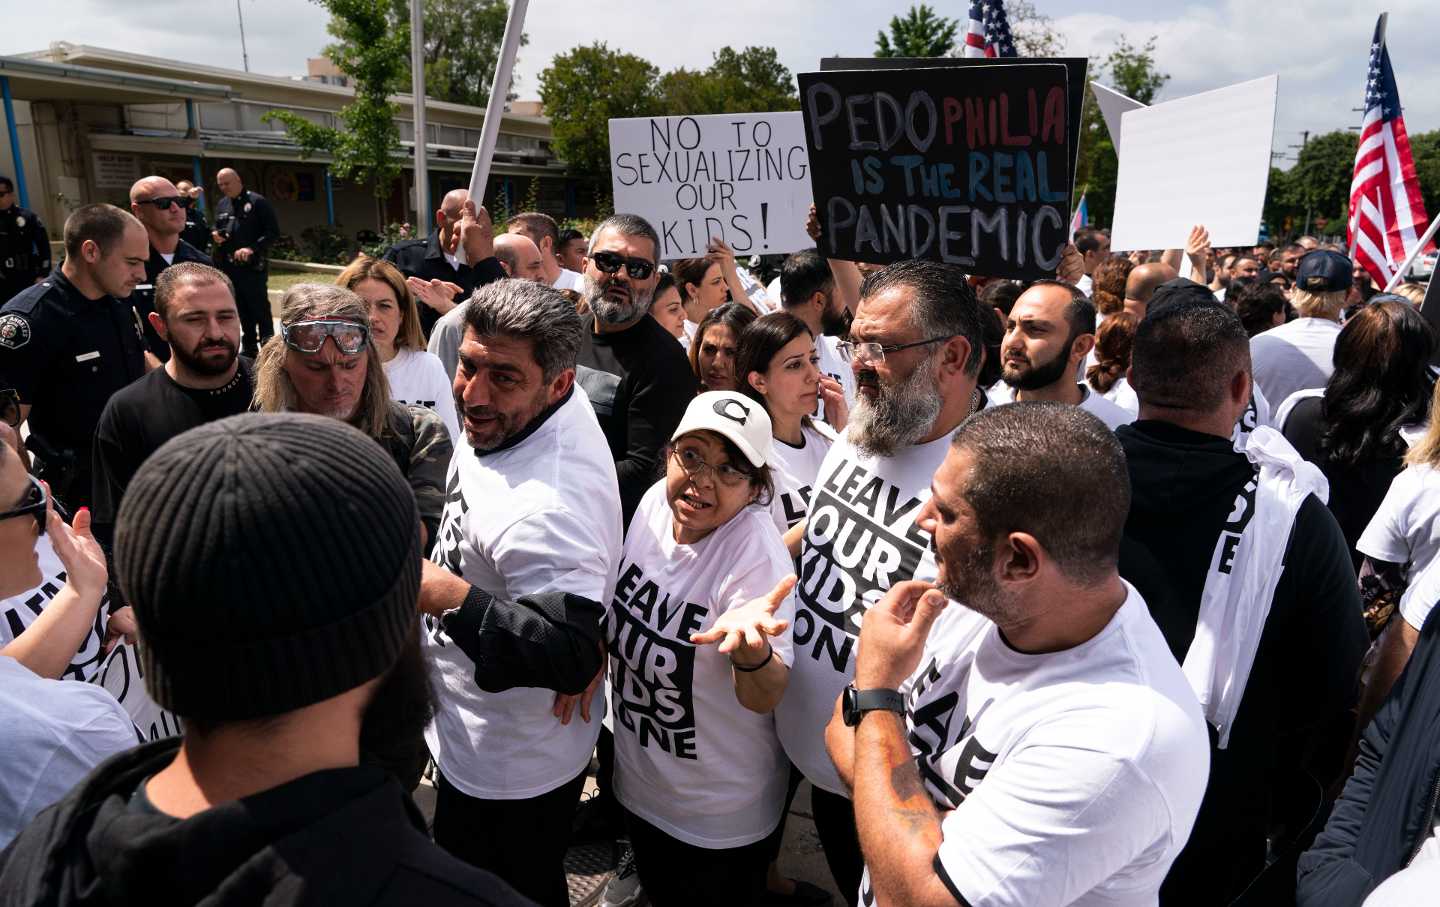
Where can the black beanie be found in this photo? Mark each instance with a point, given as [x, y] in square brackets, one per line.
[273, 561]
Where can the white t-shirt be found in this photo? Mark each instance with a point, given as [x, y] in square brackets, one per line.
[833, 365]
[1123, 395]
[1069, 777]
[794, 470]
[690, 328]
[1294, 356]
[1406, 530]
[860, 539]
[169, 257]
[689, 758]
[20, 611]
[1086, 284]
[569, 280]
[52, 733]
[1096, 405]
[541, 516]
[418, 377]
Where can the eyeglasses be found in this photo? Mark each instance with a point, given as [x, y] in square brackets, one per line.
[610, 262]
[164, 202]
[34, 505]
[10, 407]
[308, 336]
[874, 353]
[695, 466]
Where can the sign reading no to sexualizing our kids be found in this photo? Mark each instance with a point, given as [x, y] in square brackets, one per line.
[743, 178]
[968, 166]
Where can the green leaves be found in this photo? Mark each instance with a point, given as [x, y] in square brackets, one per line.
[920, 33]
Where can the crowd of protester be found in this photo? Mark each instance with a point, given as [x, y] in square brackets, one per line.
[1113, 587]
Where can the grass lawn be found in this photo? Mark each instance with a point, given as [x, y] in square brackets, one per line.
[284, 280]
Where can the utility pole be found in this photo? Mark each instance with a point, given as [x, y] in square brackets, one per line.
[1304, 140]
[417, 104]
[244, 54]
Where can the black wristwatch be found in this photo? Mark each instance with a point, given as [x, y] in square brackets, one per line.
[854, 703]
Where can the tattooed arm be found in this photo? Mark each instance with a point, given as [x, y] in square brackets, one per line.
[898, 823]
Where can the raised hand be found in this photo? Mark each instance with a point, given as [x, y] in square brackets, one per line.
[832, 397]
[477, 233]
[81, 555]
[437, 294]
[893, 634]
[743, 632]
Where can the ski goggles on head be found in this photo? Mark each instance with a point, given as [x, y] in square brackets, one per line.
[308, 336]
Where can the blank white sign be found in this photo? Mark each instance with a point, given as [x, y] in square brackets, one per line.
[1204, 159]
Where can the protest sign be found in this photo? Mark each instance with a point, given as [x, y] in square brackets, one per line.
[1113, 105]
[1222, 174]
[122, 676]
[743, 178]
[963, 165]
[1075, 69]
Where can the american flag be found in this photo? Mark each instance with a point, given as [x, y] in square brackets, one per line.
[1387, 214]
[989, 31]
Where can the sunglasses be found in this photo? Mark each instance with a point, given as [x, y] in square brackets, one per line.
[10, 407]
[308, 336]
[34, 505]
[610, 262]
[165, 202]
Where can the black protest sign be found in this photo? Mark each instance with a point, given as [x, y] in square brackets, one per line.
[1075, 70]
[1430, 308]
[964, 165]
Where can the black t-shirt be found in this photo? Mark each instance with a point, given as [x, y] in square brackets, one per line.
[1355, 491]
[639, 383]
[1302, 686]
[142, 417]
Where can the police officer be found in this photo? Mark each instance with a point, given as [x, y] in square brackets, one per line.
[161, 207]
[245, 226]
[197, 228]
[69, 342]
[434, 258]
[24, 245]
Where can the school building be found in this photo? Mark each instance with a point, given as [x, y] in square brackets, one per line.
[86, 122]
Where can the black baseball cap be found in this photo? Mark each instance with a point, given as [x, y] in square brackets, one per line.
[1323, 271]
[1176, 289]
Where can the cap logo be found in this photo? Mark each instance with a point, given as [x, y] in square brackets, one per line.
[726, 408]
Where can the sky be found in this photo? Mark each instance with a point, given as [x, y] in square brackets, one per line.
[1318, 47]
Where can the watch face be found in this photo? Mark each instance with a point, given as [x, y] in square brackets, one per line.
[848, 712]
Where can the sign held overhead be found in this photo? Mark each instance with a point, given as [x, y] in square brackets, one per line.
[968, 166]
[743, 178]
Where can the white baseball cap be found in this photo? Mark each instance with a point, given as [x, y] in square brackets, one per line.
[734, 417]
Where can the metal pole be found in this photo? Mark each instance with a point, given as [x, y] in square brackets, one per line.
[329, 199]
[417, 103]
[499, 88]
[244, 54]
[1399, 274]
[20, 189]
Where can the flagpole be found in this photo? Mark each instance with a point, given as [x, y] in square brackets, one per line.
[1399, 274]
[417, 107]
[499, 89]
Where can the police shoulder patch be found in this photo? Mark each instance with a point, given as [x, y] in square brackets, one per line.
[14, 331]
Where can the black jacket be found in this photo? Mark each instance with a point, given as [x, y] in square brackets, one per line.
[423, 258]
[1294, 719]
[343, 836]
[247, 221]
[1388, 807]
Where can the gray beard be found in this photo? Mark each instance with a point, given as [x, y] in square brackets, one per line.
[899, 417]
[610, 312]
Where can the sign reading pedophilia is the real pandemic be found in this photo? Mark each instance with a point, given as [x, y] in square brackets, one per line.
[968, 166]
[743, 178]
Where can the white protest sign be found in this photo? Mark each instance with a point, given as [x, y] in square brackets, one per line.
[1112, 105]
[1179, 170]
[744, 178]
[121, 675]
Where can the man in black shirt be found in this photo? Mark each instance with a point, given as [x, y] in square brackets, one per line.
[24, 245]
[638, 384]
[197, 228]
[1193, 541]
[205, 379]
[161, 207]
[434, 258]
[245, 228]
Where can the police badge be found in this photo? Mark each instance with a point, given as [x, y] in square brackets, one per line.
[14, 332]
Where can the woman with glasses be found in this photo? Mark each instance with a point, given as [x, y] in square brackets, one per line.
[700, 649]
[323, 362]
[712, 351]
[779, 368]
[415, 374]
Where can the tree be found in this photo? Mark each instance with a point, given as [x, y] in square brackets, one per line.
[1425, 146]
[1035, 34]
[750, 81]
[582, 90]
[373, 52]
[461, 47]
[1131, 71]
[920, 33]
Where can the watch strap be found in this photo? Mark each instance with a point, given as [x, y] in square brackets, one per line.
[878, 700]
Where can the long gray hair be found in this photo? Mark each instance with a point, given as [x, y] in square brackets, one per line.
[274, 392]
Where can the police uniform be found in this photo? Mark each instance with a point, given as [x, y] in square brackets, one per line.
[24, 251]
[65, 355]
[423, 258]
[247, 221]
[197, 228]
[143, 299]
